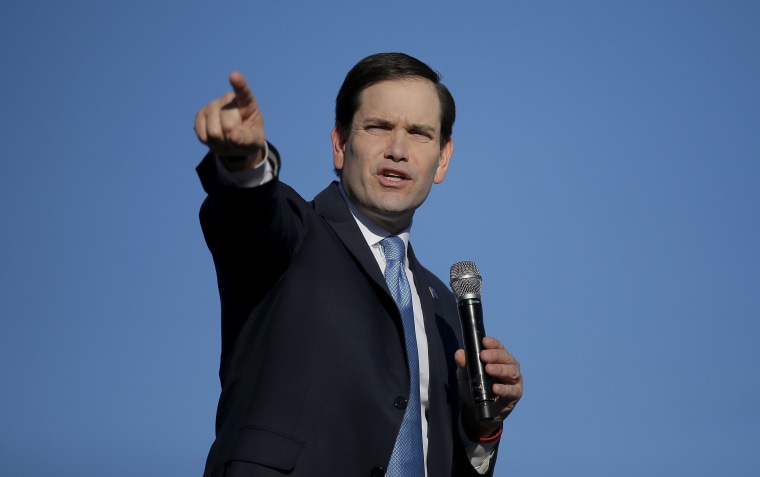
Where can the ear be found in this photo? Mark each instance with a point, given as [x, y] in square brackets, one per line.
[339, 147]
[443, 161]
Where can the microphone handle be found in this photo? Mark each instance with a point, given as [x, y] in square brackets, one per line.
[473, 331]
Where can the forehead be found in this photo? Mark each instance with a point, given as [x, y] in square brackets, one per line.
[415, 100]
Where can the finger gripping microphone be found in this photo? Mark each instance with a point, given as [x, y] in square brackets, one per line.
[467, 284]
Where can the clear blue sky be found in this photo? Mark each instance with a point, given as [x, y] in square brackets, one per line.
[606, 179]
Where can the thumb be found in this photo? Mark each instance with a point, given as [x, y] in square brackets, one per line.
[461, 358]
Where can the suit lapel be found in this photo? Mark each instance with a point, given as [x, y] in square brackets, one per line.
[330, 205]
[424, 290]
[428, 302]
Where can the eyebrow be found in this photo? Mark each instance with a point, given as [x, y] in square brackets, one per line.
[377, 122]
[413, 127]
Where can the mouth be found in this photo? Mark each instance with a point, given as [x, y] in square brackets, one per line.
[393, 175]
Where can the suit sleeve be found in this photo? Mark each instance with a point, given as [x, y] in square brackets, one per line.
[251, 234]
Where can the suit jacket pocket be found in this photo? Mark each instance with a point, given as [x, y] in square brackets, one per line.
[267, 448]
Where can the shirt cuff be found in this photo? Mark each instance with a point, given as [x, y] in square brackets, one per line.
[259, 175]
[479, 453]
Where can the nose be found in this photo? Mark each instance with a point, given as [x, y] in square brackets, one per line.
[396, 149]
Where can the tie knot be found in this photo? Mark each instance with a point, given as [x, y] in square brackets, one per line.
[393, 248]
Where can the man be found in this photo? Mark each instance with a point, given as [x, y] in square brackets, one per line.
[340, 352]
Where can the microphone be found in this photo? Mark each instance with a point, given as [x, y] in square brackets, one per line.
[467, 284]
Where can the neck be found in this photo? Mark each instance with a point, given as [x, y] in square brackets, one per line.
[378, 225]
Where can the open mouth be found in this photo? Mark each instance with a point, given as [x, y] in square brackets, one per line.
[393, 175]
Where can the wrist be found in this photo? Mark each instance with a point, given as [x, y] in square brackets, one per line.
[480, 432]
[485, 437]
[242, 163]
[486, 440]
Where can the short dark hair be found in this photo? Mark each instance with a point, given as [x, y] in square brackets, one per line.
[388, 67]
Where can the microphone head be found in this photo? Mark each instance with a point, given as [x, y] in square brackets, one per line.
[465, 279]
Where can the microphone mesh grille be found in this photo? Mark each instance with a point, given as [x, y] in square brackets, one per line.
[465, 279]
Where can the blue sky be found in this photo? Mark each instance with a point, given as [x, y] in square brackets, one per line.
[605, 179]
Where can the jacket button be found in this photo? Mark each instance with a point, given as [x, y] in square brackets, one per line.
[377, 472]
[400, 402]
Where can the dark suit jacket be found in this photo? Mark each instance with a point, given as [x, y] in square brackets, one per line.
[313, 357]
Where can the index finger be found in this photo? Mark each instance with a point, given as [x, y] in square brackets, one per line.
[243, 95]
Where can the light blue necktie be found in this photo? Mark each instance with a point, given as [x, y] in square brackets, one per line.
[407, 459]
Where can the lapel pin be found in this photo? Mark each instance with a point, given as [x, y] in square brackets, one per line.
[433, 293]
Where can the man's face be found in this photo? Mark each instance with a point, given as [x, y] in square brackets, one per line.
[393, 154]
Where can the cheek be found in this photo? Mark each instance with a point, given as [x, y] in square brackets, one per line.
[351, 156]
[433, 166]
[368, 147]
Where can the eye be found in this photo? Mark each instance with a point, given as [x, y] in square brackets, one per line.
[420, 136]
[377, 129]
